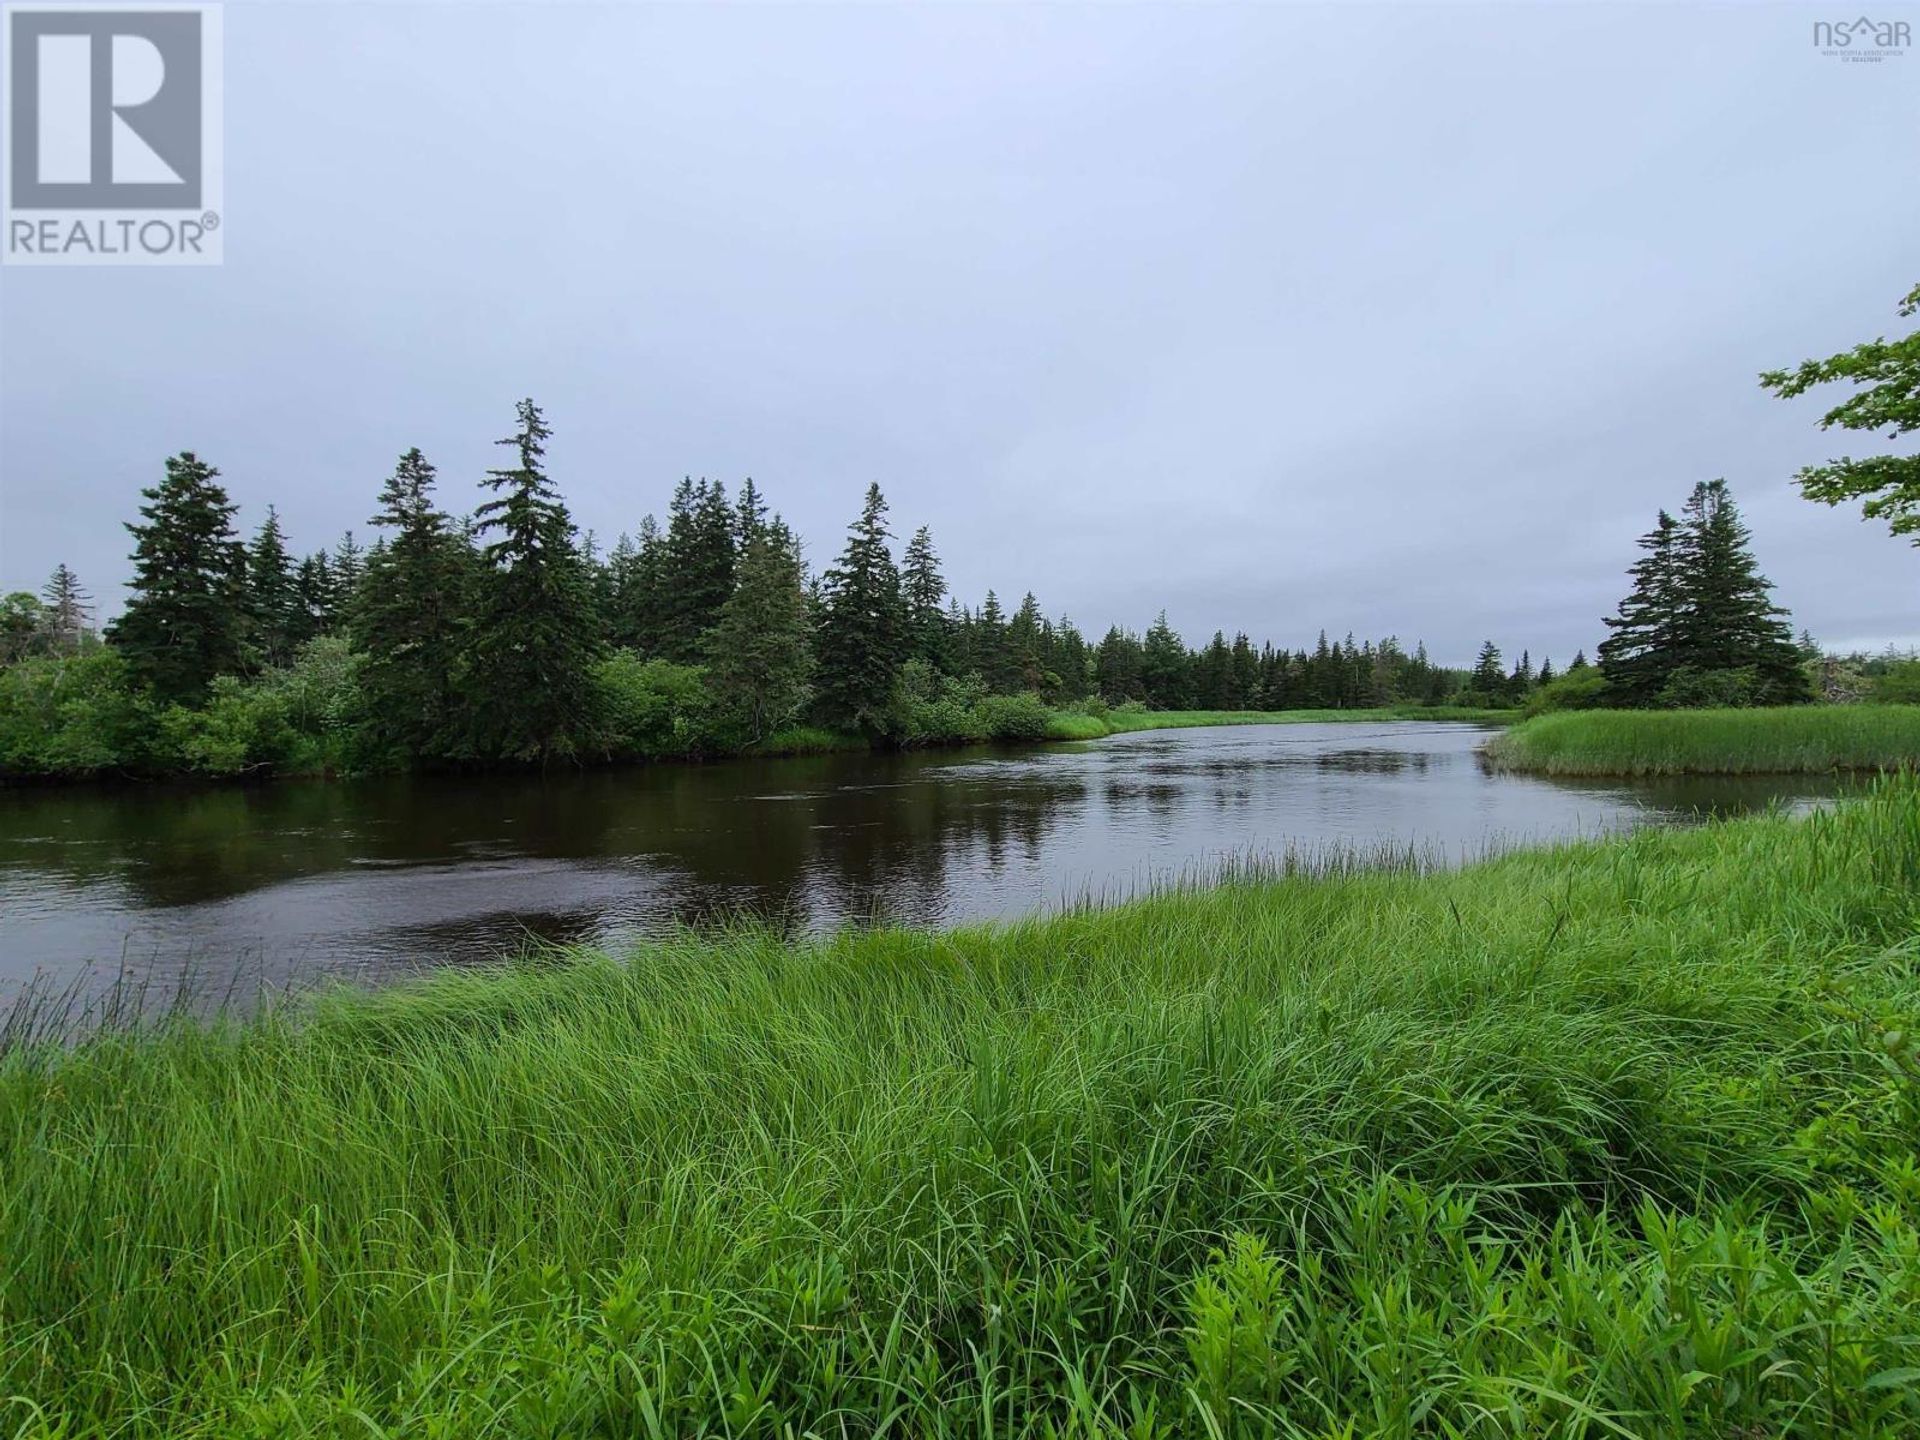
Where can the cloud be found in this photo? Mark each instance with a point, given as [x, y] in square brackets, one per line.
[1278, 317]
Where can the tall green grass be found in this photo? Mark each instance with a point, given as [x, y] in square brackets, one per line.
[1791, 740]
[1612, 1140]
[809, 740]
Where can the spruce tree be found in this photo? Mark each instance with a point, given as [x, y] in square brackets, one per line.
[1116, 667]
[1521, 681]
[409, 619]
[529, 689]
[1356, 671]
[1489, 678]
[636, 610]
[1070, 662]
[750, 517]
[862, 634]
[1164, 669]
[621, 611]
[1726, 619]
[1245, 691]
[599, 575]
[759, 654]
[273, 598]
[1026, 646]
[1387, 665]
[696, 567]
[317, 598]
[622, 568]
[349, 564]
[1417, 680]
[1213, 675]
[69, 611]
[924, 588]
[959, 639]
[184, 623]
[992, 659]
[1317, 688]
[1699, 626]
[1639, 652]
[1277, 678]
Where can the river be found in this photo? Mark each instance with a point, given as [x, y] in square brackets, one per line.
[229, 889]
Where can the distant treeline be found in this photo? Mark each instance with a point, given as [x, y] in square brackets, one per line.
[505, 636]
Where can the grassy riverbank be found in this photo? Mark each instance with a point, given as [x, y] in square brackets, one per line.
[1547, 1146]
[217, 747]
[1120, 722]
[1098, 724]
[1796, 739]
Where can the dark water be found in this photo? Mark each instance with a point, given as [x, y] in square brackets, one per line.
[291, 882]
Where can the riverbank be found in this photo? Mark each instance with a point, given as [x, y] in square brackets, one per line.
[1020, 720]
[1544, 1146]
[1123, 722]
[1098, 724]
[1801, 739]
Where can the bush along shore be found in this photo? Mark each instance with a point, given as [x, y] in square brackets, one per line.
[1542, 1147]
[78, 719]
[1782, 741]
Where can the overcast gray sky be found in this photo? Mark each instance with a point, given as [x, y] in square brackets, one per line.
[1397, 320]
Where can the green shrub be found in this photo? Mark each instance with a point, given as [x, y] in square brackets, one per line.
[322, 701]
[72, 715]
[77, 717]
[321, 689]
[1691, 688]
[23, 626]
[1899, 684]
[240, 730]
[1584, 689]
[655, 709]
[936, 709]
[1478, 700]
[1014, 718]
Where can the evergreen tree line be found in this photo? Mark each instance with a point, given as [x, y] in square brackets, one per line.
[508, 636]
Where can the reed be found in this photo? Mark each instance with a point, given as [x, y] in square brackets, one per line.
[1790, 740]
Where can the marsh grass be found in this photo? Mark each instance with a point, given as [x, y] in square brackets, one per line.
[1616, 1139]
[809, 740]
[1071, 725]
[1801, 739]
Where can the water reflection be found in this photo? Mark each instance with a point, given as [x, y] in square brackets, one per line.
[291, 881]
